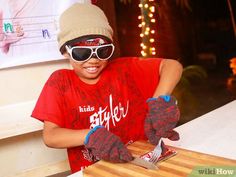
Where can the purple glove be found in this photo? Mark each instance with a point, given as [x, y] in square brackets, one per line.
[107, 146]
[162, 117]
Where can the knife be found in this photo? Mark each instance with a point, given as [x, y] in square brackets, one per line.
[143, 163]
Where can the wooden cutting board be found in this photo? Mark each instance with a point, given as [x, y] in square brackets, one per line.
[179, 165]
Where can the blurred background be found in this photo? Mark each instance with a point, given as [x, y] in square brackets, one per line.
[201, 34]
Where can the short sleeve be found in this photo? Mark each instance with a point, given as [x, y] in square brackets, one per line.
[50, 104]
[146, 74]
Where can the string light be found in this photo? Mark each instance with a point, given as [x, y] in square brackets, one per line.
[151, 40]
[147, 25]
[152, 9]
[153, 20]
[150, 15]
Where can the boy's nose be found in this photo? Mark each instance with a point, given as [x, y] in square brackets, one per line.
[94, 55]
[93, 59]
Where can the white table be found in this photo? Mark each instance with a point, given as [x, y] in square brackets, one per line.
[213, 133]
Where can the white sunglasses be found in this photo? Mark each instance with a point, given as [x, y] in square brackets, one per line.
[84, 53]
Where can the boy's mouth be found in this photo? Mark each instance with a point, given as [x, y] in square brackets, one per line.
[92, 69]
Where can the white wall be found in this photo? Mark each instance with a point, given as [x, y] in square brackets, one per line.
[26, 151]
[20, 84]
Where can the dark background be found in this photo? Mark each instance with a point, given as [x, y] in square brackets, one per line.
[206, 28]
[201, 35]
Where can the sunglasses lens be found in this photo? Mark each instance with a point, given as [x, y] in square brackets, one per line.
[81, 54]
[105, 52]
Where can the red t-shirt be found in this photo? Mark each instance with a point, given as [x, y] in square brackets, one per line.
[117, 101]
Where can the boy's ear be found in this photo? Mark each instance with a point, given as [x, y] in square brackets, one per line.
[66, 55]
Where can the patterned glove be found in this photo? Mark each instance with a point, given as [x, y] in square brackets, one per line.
[107, 146]
[162, 117]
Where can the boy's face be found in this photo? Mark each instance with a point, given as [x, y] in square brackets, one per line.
[89, 57]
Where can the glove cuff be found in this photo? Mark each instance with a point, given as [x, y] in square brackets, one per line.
[91, 132]
[167, 98]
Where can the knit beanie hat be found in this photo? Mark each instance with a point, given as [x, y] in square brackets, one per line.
[81, 20]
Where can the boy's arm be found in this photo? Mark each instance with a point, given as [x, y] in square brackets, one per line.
[102, 143]
[163, 113]
[170, 73]
[57, 137]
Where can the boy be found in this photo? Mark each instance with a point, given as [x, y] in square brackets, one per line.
[100, 105]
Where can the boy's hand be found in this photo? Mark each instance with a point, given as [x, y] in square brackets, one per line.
[162, 117]
[107, 146]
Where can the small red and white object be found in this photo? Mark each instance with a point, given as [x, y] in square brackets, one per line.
[169, 153]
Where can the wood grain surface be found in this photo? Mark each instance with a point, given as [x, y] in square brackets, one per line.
[179, 165]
